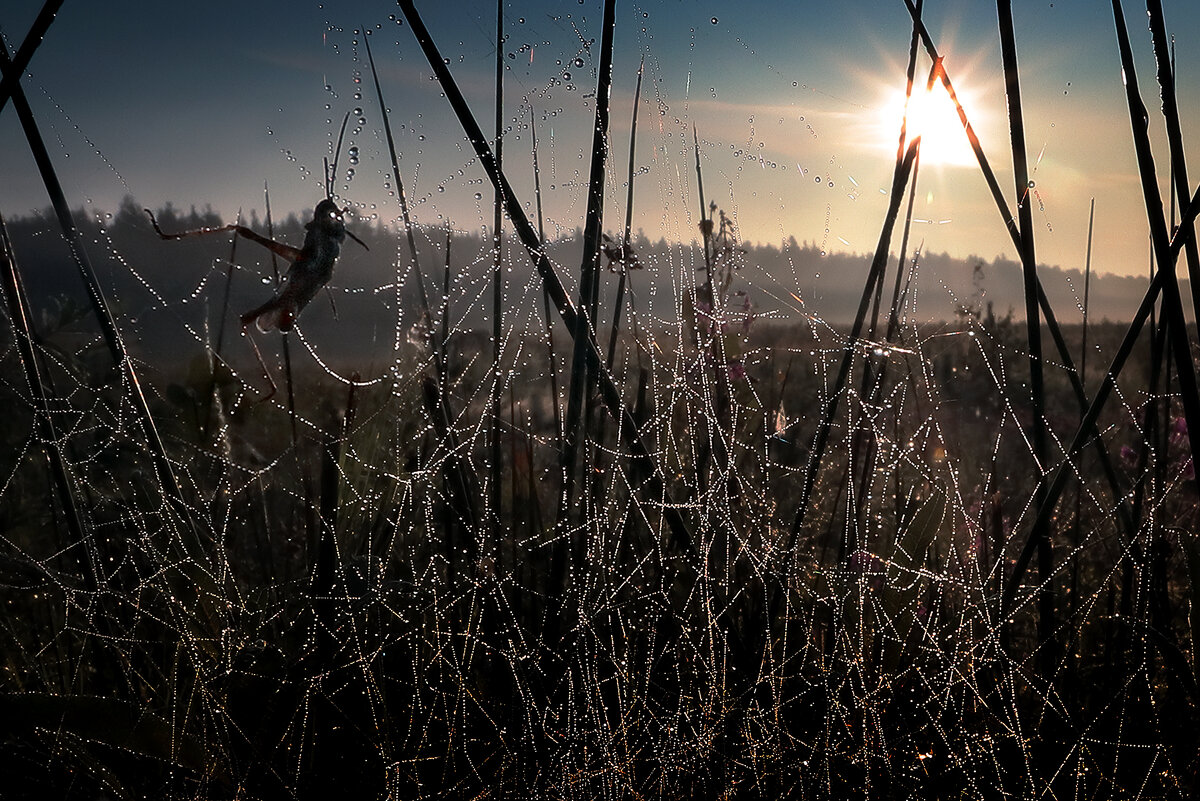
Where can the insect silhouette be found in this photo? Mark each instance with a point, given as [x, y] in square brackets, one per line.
[620, 255]
[311, 265]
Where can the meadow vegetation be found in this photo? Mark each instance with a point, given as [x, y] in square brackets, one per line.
[689, 550]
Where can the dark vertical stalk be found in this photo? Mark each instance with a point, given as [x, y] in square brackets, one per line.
[1154, 364]
[706, 295]
[1163, 247]
[164, 470]
[655, 486]
[220, 341]
[583, 333]
[14, 69]
[461, 490]
[333, 448]
[1087, 285]
[712, 347]
[497, 455]
[626, 261]
[820, 441]
[1167, 251]
[286, 338]
[893, 328]
[22, 320]
[706, 223]
[303, 466]
[224, 319]
[1016, 128]
[864, 449]
[628, 252]
[1077, 532]
[444, 337]
[520, 512]
[1170, 112]
[550, 359]
[627, 258]
[457, 474]
[1060, 343]
[408, 226]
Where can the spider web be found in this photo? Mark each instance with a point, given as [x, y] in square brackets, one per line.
[339, 606]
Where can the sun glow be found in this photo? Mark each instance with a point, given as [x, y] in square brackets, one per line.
[933, 116]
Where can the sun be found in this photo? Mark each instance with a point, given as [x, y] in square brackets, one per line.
[933, 116]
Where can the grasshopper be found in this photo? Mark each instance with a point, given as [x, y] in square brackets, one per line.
[311, 265]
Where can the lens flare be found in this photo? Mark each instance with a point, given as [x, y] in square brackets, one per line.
[933, 116]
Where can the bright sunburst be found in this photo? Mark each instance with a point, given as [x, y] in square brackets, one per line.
[932, 116]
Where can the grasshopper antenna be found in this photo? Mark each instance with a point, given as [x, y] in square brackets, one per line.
[331, 175]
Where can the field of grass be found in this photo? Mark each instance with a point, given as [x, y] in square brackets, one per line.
[604, 554]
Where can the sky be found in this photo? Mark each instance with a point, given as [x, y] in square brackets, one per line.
[797, 106]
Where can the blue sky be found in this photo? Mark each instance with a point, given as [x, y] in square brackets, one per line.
[201, 105]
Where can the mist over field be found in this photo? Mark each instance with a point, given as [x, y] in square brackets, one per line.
[169, 293]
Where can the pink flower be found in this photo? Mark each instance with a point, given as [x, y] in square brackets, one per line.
[1128, 455]
[1179, 432]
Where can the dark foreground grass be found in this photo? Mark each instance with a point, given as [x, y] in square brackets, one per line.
[764, 583]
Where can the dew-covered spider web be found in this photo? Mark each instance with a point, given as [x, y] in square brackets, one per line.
[749, 508]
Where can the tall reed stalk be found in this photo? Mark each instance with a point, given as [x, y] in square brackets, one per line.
[1016, 128]
[619, 303]
[551, 359]
[223, 318]
[655, 486]
[443, 344]
[288, 377]
[215, 361]
[1010, 222]
[410, 238]
[900, 179]
[705, 295]
[1077, 531]
[865, 449]
[1083, 434]
[21, 317]
[582, 374]
[496, 458]
[1166, 250]
[1170, 110]
[14, 69]
[438, 406]
[184, 515]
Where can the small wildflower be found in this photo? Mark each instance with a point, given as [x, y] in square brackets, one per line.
[1179, 432]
